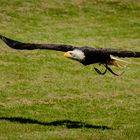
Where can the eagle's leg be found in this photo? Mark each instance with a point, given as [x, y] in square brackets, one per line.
[109, 69]
[99, 72]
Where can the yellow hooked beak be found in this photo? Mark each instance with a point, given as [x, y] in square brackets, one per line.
[67, 54]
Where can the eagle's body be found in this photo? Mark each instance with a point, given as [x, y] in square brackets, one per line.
[85, 55]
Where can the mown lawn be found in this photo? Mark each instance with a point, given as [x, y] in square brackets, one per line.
[46, 96]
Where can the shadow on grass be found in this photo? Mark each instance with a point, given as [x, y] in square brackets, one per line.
[66, 123]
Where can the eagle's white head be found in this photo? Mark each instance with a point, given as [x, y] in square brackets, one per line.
[76, 54]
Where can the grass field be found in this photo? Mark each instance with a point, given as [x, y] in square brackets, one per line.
[46, 96]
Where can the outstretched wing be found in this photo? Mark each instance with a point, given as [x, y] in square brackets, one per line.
[30, 46]
[120, 53]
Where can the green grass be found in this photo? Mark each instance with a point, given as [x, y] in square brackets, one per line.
[45, 96]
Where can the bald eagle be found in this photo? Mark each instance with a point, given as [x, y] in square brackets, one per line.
[85, 55]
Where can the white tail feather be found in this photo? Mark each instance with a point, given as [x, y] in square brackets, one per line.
[117, 62]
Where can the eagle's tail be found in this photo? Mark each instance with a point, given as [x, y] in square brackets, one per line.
[118, 62]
